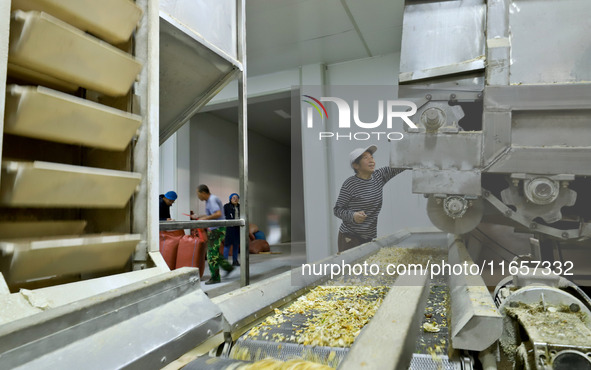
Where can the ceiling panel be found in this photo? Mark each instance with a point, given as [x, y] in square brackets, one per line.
[380, 23]
[294, 22]
[371, 15]
[285, 34]
[384, 40]
[333, 49]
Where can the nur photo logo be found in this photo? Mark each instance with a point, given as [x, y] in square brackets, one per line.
[387, 110]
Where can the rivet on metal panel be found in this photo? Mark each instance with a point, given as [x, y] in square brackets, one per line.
[486, 193]
[452, 96]
[209, 332]
[574, 307]
[533, 225]
[428, 97]
[508, 213]
[163, 359]
[565, 235]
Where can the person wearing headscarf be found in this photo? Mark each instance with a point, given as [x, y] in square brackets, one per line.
[232, 212]
[166, 201]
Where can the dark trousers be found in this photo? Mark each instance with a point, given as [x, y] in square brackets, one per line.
[232, 240]
[348, 241]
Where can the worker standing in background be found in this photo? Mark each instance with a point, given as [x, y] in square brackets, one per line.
[214, 211]
[166, 201]
[232, 212]
[360, 199]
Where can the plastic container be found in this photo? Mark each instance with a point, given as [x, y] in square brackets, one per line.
[29, 75]
[110, 20]
[45, 44]
[34, 229]
[54, 185]
[47, 114]
[46, 257]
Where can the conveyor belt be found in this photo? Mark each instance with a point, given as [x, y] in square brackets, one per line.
[258, 350]
[428, 362]
[281, 336]
[419, 362]
[435, 343]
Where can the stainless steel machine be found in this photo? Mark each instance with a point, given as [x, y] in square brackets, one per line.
[501, 151]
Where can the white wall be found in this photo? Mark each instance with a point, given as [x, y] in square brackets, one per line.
[175, 171]
[214, 162]
[183, 183]
[168, 170]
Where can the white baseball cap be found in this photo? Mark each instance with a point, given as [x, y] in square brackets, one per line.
[356, 153]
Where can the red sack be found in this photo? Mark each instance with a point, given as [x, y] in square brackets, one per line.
[169, 242]
[200, 233]
[191, 253]
[258, 246]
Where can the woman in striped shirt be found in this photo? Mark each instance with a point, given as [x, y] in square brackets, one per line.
[360, 199]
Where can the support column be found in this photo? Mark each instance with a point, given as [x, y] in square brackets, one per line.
[316, 172]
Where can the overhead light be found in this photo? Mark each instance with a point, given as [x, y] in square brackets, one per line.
[283, 114]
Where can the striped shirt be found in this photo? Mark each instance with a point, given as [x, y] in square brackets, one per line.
[358, 194]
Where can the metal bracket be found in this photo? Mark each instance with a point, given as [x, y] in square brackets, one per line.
[583, 231]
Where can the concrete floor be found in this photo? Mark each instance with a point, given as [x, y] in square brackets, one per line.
[283, 258]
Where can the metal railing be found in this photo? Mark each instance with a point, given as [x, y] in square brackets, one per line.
[199, 224]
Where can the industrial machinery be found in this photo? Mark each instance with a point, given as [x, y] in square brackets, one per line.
[502, 138]
[501, 152]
